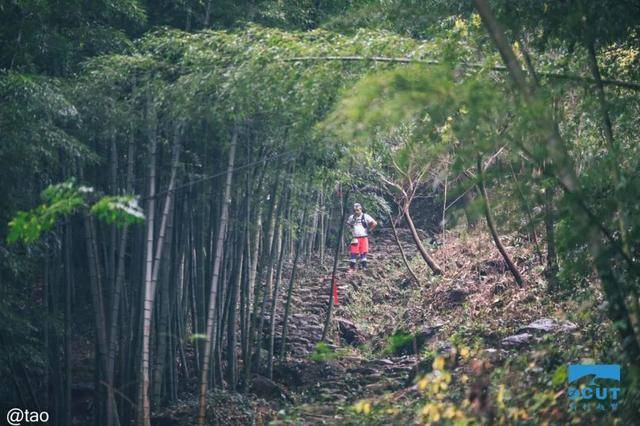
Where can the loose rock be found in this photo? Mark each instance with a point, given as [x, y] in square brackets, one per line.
[549, 325]
[349, 332]
[517, 340]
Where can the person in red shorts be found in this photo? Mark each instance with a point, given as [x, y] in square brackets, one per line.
[360, 224]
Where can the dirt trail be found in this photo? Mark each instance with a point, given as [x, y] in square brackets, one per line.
[353, 367]
[475, 298]
[368, 357]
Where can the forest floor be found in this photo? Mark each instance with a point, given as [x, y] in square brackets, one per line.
[499, 351]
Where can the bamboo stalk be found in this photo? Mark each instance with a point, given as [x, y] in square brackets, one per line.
[214, 281]
[336, 255]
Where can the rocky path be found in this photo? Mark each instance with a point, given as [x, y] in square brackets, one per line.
[384, 318]
[475, 300]
[322, 389]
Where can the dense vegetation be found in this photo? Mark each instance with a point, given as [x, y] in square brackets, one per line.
[167, 168]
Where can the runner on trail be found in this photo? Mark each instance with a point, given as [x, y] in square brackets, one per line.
[360, 223]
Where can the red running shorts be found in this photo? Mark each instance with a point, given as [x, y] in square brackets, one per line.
[361, 247]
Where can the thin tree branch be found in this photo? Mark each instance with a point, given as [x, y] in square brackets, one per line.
[632, 85]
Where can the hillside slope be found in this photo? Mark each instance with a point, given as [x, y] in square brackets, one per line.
[469, 346]
[500, 350]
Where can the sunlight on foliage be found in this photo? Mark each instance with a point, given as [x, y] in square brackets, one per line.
[397, 341]
[64, 199]
[362, 407]
[436, 385]
[197, 336]
[60, 200]
[323, 352]
[121, 210]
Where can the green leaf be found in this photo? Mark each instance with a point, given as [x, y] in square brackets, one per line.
[197, 336]
[61, 200]
[560, 376]
[121, 210]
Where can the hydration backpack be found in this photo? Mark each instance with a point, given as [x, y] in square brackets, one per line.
[365, 225]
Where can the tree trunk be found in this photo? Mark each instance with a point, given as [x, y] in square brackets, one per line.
[551, 270]
[144, 416]
[287, 308]
[153, 262]
[112, 246]
[527, 210]
[615, 155]
[404, 257]
[491, 224]
[163, 314]
[311, 232]
[213, 295]
[274, 297]
[119, 280]
[46, 328]
[336, 255]
[323, 220]
[95, 278]
[68, 272]
[602, 99]
[564, 172]
[274, 230]
[251, 304]
[613, 146]
[207, 14]
[423, 252]
[469, 212]
[277, 250]
[231, 321]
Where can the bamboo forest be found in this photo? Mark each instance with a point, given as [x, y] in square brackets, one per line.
[319, 212]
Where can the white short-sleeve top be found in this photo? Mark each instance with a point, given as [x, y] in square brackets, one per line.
[357, 224]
